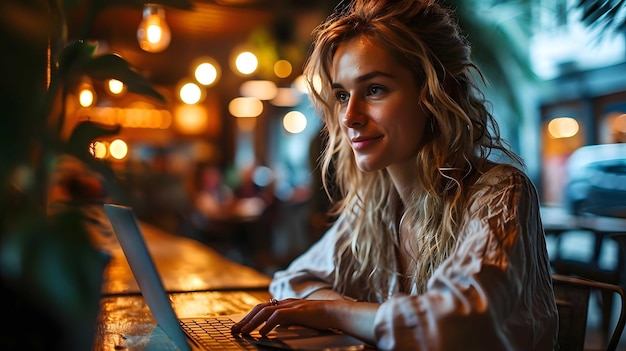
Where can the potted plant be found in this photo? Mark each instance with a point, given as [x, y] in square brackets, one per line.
[50, 271]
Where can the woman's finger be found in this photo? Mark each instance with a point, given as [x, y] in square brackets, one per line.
[292, 311]
[236, 328]
[259, 314]
[259, 318]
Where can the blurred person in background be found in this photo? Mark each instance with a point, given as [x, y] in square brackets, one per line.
[214, 196]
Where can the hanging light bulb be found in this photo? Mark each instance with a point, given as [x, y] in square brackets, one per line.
[153, 33]
[86, 93]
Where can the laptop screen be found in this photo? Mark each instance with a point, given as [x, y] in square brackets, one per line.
[133, 245]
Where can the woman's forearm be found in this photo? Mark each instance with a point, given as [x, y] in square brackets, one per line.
[327, 294]
[354, 318]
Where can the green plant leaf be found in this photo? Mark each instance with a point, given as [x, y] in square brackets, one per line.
[499, 37]
[74, 54]
[78, 59]
[111, 66]
[51, 262]
[84, 134]
[603, 15]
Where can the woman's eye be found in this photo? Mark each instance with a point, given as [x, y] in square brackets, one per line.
[341, 96]
[375, 89]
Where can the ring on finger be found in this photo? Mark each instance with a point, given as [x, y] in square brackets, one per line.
[273, 302]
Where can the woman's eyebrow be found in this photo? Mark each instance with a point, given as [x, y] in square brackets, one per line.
[364, 78]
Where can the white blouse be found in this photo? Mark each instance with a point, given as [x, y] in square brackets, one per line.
[494, 292]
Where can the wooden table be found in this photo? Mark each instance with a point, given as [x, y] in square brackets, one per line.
[201, 282]
[557, 220]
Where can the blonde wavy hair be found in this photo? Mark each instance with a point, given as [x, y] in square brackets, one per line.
[423, 36]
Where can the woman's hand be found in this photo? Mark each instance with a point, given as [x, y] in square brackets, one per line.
[310, 313]
[355, 318]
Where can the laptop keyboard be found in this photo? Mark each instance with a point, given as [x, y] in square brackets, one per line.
[214, 333]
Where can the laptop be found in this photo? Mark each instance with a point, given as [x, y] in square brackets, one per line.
[194, 334]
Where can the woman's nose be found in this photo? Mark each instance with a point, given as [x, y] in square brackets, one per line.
[354, 116]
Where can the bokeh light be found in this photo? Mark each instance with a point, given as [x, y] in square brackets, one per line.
[207, 72]
[563, 127]
[118, 149]
[246, 62]
[190, 93]
[294, 122]
[282, 68]
[245, 107]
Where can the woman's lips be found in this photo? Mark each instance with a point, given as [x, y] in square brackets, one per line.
[361, 143]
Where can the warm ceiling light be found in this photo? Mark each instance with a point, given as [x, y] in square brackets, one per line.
[86, 94]
[260, 89]
[118, 149]
[115, 86]
[287, 97]
[245, 107]
[246, 63]
[294, 122]
[282, 69]
[619, 123]
[98, 149]
[191, 119]
[153, 33]
[86, 98]
[207, 72]
[563, 127]
[190, 93]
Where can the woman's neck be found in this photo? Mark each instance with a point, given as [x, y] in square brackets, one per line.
[404, 178]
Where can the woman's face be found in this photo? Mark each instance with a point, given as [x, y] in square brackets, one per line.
[379, 107]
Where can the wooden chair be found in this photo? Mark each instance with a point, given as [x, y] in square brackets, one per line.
[572, 296]
[602, 229]
[594, 199]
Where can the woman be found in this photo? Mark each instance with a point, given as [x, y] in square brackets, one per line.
[436, 246]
